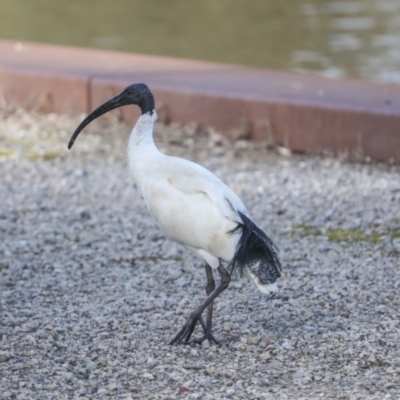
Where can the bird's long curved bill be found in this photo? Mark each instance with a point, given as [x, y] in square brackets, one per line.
[111, 104]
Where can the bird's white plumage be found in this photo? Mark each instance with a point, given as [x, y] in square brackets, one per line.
[189, 203]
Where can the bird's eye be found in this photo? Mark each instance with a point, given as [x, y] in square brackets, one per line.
[128, 91]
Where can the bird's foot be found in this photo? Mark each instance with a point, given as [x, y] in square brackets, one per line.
[185, 333]
[207, 335]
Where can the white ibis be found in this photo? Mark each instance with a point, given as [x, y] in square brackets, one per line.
[196, 209]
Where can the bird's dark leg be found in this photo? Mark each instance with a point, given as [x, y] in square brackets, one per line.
[185, 333]
[209, 289]
[207, 326]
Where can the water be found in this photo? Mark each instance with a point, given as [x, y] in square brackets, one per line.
[331, 38]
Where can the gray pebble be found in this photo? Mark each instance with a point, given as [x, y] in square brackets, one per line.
[42, 335]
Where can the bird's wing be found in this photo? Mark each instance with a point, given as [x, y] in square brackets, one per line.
[191, 178]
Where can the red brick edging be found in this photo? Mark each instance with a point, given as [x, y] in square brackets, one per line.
[304, 113]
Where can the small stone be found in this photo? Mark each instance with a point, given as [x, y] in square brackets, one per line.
[30, 339]
[175, 376]
[147, 375]
[299, 374]
[284, 151]
[182, 389]
[396, 244]
[205, 344]
[5, 356]
[286, 345]
[188, 383]
[194, 352]
[265, 356]
[241, 145]
[210, 371]
[26, 313]
[372, 359]
[266, 342]
[152, 363]
[42, 335]
[253, 340]
[54, 334]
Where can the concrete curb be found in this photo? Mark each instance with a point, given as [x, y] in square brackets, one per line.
[303, 113]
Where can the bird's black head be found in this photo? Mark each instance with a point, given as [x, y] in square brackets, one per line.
[137, 93]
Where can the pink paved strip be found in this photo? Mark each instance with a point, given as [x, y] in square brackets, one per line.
[306, 113]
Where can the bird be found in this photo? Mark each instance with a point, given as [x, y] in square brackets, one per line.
[196, 209]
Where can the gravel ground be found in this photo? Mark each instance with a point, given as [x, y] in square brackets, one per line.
[91, 291]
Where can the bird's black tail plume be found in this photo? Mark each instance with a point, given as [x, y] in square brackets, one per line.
[256, 252]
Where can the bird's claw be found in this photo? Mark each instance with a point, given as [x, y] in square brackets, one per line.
[209, 336]
[184, 335]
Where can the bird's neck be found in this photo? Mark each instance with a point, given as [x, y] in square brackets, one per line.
[141, 148]
[142, 132]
